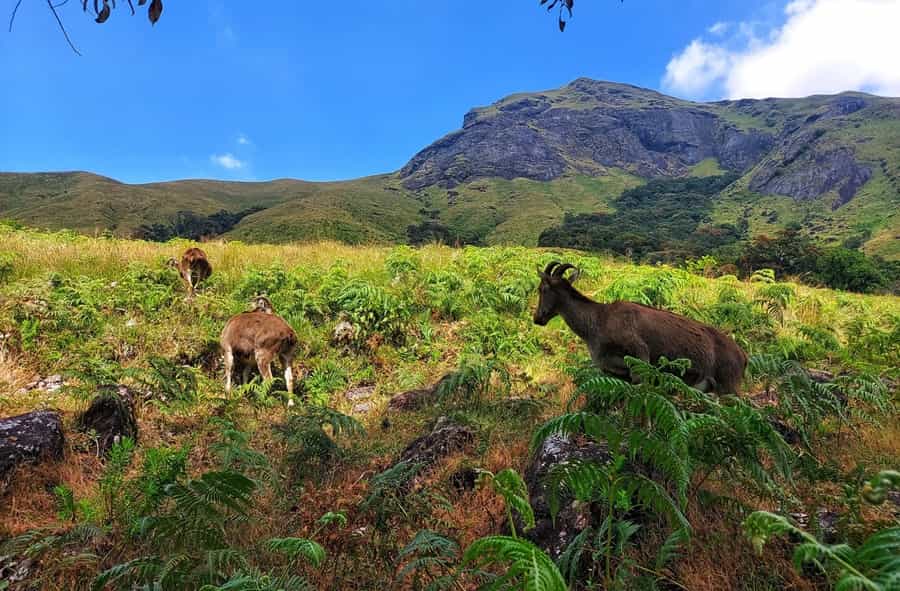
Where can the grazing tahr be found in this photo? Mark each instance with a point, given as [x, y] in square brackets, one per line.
[260, 337]
[193, 267]
[619, 329]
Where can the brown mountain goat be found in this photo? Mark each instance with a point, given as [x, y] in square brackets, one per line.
[193, 267]
[613, 331]
[259, 336]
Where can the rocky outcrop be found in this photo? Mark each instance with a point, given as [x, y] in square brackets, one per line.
[418, 397]
[29, 438]
[110, 416]
[446, 437]
[589, 126]
[573, 517]
[538, 140]
[805, 171]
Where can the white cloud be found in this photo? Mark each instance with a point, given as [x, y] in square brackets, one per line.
[227, 161]
[823, 46]
[719, 28]
[697, 68]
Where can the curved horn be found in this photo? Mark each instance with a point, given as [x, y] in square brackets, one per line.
[549, 269]
[560, 270]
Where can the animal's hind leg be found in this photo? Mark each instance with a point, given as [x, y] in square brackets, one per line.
[264, 363]
[229, 367]
[615, 366]
[704, 385]
[288, 378]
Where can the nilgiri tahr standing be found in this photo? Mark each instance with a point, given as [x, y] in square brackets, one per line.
[619, 329]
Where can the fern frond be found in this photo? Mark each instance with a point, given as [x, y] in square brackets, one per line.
[509, 484]
[671, 547]
[298, 548]
[585, 481]
[579, 423]
[528, 568]
[139, 570]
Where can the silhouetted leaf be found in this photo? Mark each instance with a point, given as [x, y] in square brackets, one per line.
[562, 24]
[155, 10]
[104, 14]
[141, 2]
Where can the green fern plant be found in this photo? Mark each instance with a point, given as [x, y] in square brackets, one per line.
[428, 562]
[873, 566]
[525, 566]
[475, 378]
[775, 298]
[659, 427]
[389, 493]
[171, 383]
[188, 530]
[233, 449]
[72, 510]
[509, 485]
[312, 434]
[254, 580]
[620, 491]
[72, 551]
[111, 487]
[296, 548]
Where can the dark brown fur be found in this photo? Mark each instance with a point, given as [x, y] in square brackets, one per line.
[258, 337]
[193, 267]
[613, 331]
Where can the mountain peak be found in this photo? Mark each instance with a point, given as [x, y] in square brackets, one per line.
[590, 126]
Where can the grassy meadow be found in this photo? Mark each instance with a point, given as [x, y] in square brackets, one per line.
[241, 492]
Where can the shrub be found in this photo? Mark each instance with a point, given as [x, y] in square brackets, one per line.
[850, 270]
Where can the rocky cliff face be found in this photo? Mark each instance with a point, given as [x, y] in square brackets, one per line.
[588, 126]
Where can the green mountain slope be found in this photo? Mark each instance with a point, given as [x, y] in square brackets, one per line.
[829, 163]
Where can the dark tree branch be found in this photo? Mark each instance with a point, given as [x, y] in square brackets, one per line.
[153, 12]
[13, 15]
[62, 27]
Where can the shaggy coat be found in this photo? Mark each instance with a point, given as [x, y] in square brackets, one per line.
[258, 337]
[613, 331]
[193, 267]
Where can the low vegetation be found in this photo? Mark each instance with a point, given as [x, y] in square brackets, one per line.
[683, 229]
[237, 491]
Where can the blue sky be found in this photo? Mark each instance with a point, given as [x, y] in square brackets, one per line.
[253, 90]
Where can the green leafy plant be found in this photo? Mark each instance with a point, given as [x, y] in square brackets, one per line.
[74, 511]
[235, 453]
[170, 382]
[188, 530]
[428, 561]
[873, 566]
[311, 433]
[389, 493]
[509, 485]
[296, 548]
[659, 433]
[525, 565]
